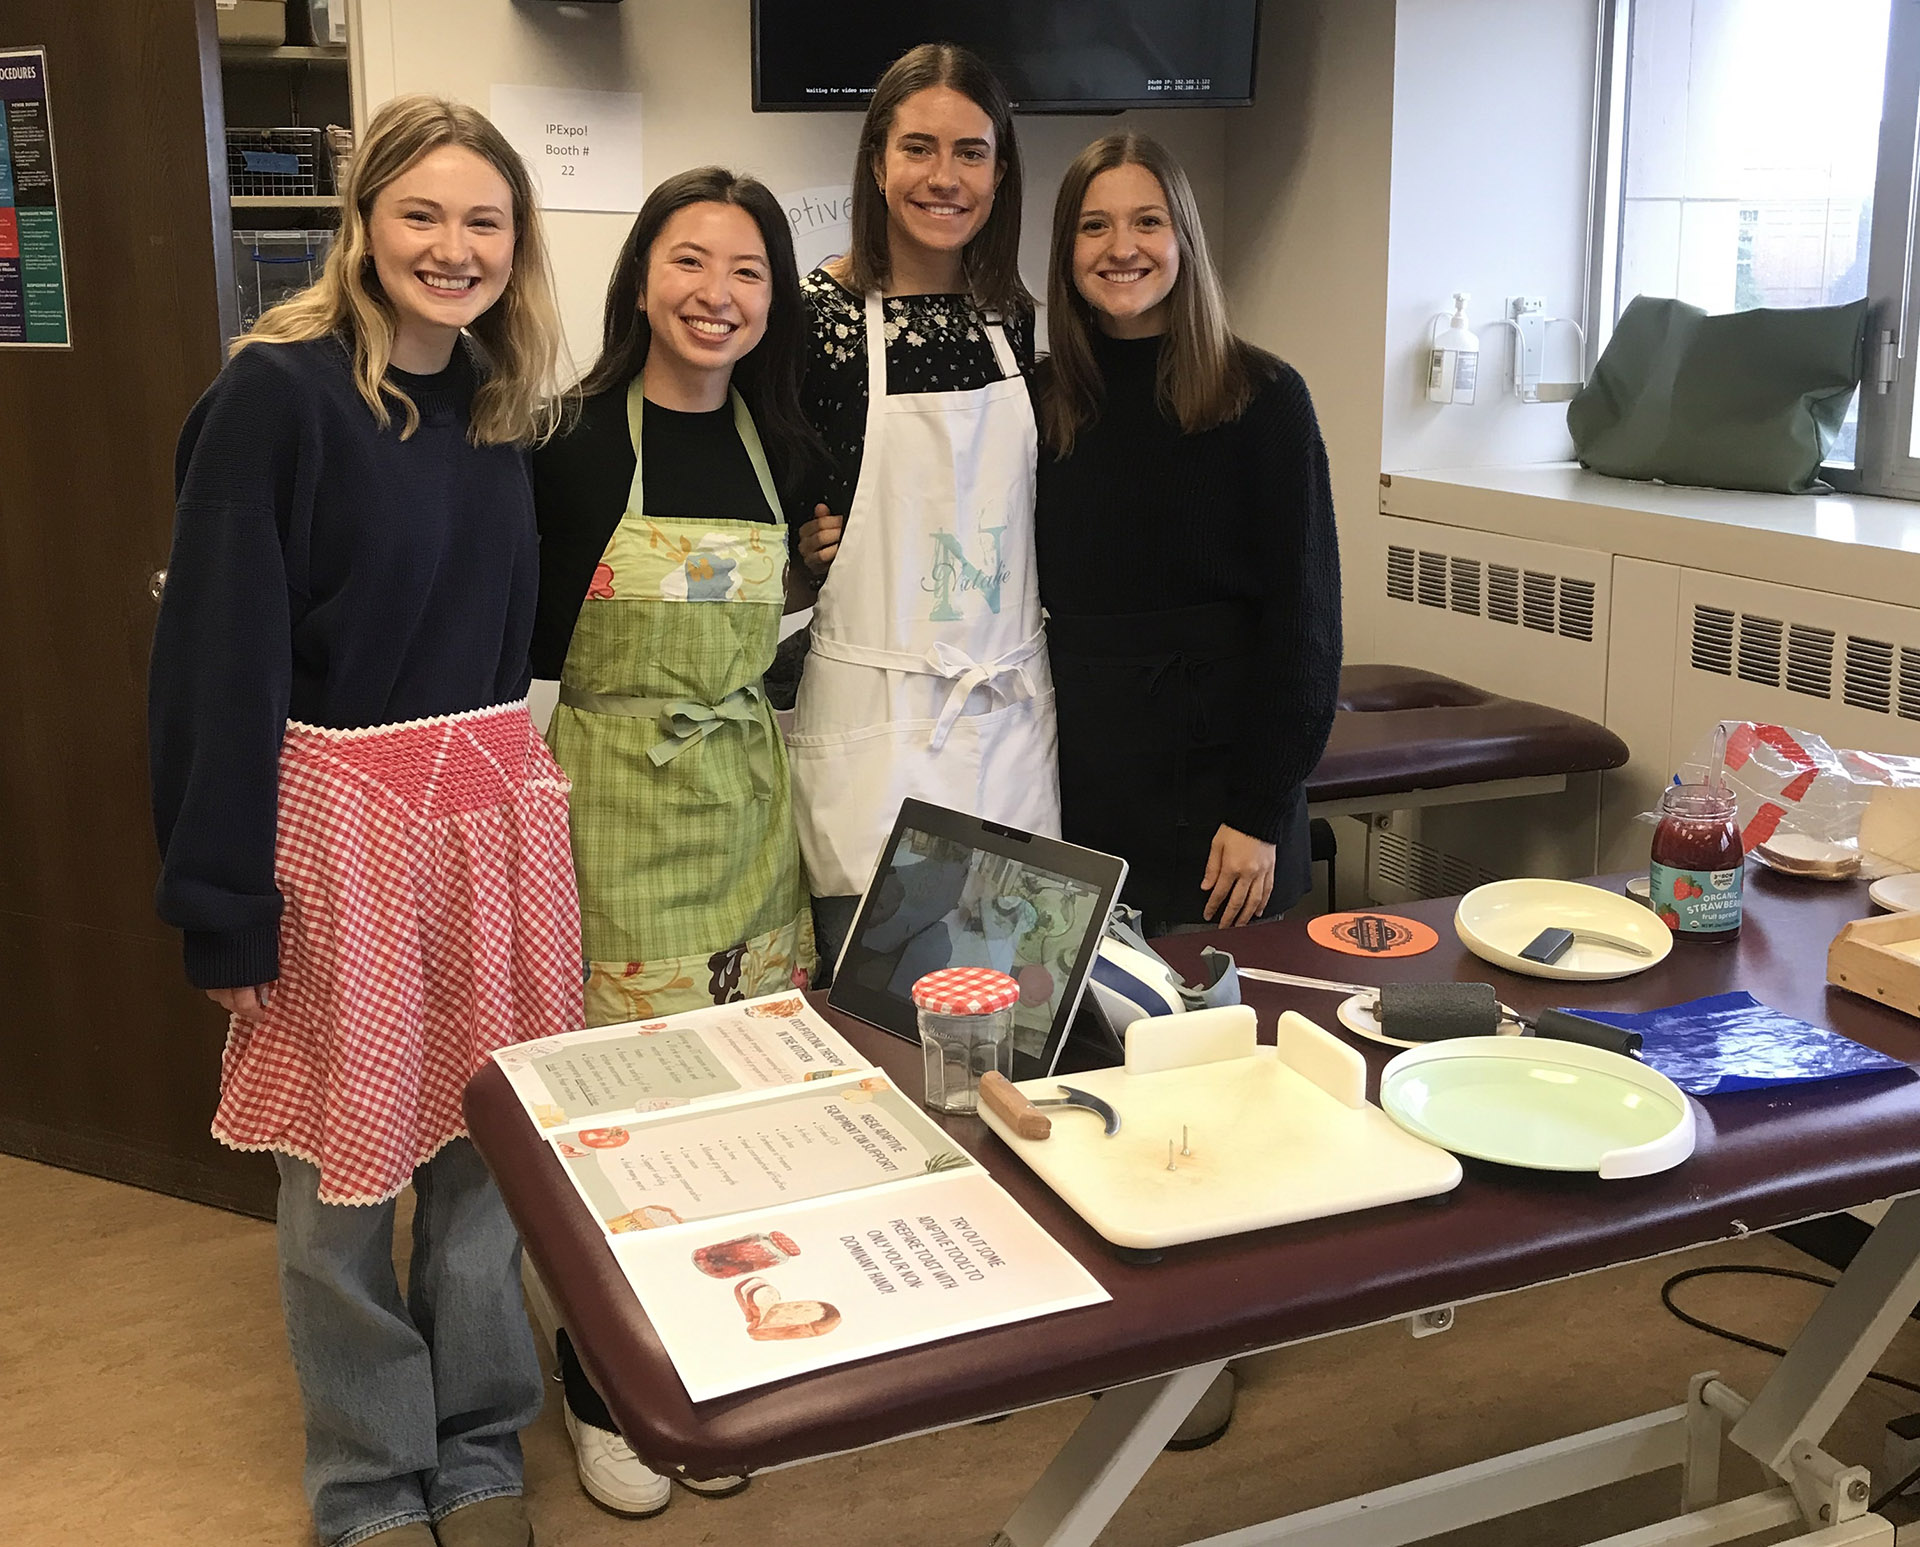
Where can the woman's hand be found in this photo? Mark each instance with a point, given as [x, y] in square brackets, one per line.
[820, 539]
[250, 1004]
[1239, 877]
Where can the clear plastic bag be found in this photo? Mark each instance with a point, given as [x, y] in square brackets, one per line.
[1801, 801]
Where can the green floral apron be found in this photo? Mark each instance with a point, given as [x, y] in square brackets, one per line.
[683, 841]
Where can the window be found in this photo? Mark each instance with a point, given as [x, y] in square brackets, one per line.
[1761, 153]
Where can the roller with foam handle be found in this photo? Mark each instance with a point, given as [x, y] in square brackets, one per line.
[1434, 1012]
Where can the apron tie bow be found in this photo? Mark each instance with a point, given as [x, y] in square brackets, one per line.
[687, 722]
[966, 674]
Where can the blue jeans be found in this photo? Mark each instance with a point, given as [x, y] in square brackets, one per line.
[412, 1408]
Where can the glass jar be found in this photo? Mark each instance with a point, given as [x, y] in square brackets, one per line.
[1695, 876]
[744, 1254]
[966, 1028]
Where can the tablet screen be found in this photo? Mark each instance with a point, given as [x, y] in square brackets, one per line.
[951, 891]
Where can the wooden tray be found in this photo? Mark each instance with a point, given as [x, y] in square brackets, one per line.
[1276, 1134]
[1879, 958]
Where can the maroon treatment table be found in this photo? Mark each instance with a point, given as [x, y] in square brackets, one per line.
[1763, 1159]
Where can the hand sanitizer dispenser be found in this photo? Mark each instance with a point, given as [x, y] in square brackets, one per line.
[1453, 368]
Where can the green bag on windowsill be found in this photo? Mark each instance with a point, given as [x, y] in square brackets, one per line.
[1742, 400]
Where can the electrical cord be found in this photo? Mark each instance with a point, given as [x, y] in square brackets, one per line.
[1666, 1299]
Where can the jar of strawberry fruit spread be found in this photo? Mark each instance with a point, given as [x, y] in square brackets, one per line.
[1694, 879]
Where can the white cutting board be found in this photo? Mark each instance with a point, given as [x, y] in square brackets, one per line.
[1276, 1134]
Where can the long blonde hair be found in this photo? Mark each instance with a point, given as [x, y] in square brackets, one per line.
[519, 335]
[1206, 376]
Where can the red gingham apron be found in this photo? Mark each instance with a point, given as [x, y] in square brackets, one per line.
[430, 918]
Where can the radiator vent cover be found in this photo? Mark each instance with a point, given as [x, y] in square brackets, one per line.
[1466, 586]
[1397, 864]
[1880, 676]
[1810, 660]
[1536, 607]
[1503, 593]
[1760, 640]
[1909, 683]
[1869, 679]
[1576, 608]
[1400, 573]
[1553, 604]
[1713, 639]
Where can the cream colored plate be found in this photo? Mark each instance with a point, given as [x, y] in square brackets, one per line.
[1897, 894]
[1496, 922]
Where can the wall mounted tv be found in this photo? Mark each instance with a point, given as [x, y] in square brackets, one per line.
[1054, 56]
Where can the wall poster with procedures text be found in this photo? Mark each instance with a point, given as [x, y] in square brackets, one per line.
[33, 272]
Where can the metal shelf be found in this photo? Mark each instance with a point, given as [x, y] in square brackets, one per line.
[285, 201]
[330, 55]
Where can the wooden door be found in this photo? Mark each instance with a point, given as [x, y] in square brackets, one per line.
[108, 1061]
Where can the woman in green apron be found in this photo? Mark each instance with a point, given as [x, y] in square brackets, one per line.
[661, 591]
[662, 567]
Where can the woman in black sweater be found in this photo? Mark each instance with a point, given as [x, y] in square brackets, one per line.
[1188, 559]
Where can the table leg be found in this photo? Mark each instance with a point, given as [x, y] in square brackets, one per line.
[1831, 1357]
[1087, 1482]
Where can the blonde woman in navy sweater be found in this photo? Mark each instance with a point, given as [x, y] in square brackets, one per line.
[362, 838]
[1188, 559]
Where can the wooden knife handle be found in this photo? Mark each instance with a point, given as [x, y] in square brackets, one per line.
[1018, 1113]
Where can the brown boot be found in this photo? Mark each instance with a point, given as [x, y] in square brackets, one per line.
[496, 1522]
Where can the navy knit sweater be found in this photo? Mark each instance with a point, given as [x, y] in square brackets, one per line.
[324, 571]
[1143, 517]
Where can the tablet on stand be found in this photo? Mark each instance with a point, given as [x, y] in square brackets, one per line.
[954, 890]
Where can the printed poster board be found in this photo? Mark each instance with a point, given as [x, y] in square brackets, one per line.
[33, 272]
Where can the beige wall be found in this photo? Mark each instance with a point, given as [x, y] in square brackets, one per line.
[690, 63]
[1306, 243]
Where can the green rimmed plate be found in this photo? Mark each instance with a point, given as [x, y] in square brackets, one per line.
[1540, 1104]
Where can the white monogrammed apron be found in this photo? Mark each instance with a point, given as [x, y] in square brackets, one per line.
[928, 675]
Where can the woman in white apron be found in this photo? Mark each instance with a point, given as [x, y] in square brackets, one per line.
[927, 674]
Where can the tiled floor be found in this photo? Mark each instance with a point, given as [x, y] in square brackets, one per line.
[145, 1399]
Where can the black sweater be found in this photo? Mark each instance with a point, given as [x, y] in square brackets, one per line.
[1142, 517]
[326, 571]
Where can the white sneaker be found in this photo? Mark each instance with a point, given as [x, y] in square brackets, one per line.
[614, 1477]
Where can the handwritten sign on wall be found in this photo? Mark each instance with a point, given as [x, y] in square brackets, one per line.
[583, 147]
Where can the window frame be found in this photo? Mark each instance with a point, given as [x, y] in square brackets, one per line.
[1883, 464]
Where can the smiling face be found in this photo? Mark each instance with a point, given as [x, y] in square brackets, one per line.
[1126, 256]
[442, 236]
[707, 291]
[938, 173]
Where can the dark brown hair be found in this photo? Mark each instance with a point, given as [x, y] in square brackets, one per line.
[991, 261]
[768, 375]
[1206, 375]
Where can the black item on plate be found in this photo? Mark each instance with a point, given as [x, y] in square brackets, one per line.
[1547, 947]
[1433, 1012]
[1430, 1012]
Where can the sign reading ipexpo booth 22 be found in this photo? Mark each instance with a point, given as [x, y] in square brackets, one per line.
[33, 274]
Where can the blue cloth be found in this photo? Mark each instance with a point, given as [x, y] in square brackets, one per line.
[1734, 1042]
[413, 1405]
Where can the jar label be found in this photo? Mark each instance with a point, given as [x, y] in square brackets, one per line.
[1696, 902]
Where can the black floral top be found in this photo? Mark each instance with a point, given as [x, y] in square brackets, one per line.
[935, 343]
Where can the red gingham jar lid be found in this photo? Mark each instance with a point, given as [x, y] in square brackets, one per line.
[965, 991]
